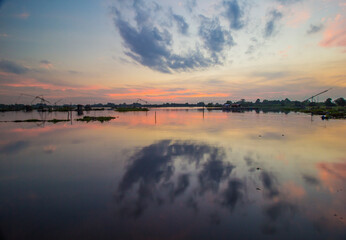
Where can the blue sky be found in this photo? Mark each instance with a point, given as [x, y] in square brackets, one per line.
[116, 51]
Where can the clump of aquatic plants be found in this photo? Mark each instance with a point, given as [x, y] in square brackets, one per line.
[58, 120]
[38, 120]
[92, 119]
[28, 120]
[131, 109]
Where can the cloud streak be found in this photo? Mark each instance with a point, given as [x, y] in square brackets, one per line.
[215, 38]
[181, 24]
[46, 64]
[314, 28]
[335, 33]
[234, 14]
[274, 16]
[12, 67]
[287, 2]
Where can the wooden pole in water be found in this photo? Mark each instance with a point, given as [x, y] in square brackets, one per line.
[155, 117]
[71, 112]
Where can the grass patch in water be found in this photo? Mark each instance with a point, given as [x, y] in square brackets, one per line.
[100, 119]
[29, 120]
[131, 109]
[58, 120]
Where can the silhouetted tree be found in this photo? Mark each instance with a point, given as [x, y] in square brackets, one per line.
[329, 103]
[340, 101]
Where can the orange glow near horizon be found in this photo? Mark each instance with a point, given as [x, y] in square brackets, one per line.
[164, 94]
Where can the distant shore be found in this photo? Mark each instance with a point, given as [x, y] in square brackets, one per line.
[329, 109]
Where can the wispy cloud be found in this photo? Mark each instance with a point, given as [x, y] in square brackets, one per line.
[315, 28]
[234, 14]
[287, 2]
[12, 67]
[271, 75]
[181, 24]
[46, 64]
[298, 18]
[23, 15]
[335, 33]
[273, 18]
[215, 38]
[190, 5]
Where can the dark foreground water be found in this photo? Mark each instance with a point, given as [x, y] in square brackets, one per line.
[184, 175]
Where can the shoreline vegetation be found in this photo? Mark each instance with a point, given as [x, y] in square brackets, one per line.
[328, 109]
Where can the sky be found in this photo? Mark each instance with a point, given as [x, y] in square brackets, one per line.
[89, 51]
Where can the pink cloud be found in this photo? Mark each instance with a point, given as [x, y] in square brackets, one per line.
[335, 33]
[284, 53]
[164, 94]
[298, 18]
[23, 15]
[16, 81]
[46, 64]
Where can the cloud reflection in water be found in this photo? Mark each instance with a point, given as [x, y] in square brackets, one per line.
[202, 179]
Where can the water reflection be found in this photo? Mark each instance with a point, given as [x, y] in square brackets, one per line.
[184, 178]
[162, 171]
[190, 177]
[311, 180]
[14, 147]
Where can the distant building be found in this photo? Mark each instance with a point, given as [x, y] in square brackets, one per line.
[230, 106]
[236, 105]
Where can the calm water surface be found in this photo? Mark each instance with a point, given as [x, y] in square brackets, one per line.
[187, 174]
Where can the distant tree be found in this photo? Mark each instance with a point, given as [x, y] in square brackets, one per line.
[258, 101]
[201, 104]
[298, 104]
[340, 101]
[210, 104]
[329, 103]
[229, 102]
